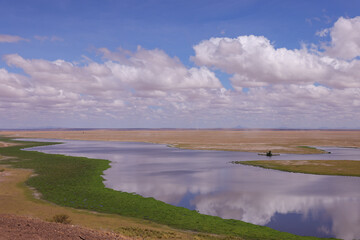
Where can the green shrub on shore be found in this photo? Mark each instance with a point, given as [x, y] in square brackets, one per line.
[76, 182]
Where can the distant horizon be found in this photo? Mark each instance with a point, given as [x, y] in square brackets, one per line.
[135, 129]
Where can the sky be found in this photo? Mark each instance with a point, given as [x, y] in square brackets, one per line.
[180, 64]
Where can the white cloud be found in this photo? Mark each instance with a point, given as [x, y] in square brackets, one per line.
[255, 62]
[323, 32]
[145, 70]
[12, 86]
[147, 77]
[11, 38]
[155, 70]
[345, 39]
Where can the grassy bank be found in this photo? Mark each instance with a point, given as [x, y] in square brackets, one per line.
[321, 167]
[76, 182]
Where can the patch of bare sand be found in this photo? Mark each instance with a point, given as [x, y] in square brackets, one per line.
[5, 144]
[3, 174]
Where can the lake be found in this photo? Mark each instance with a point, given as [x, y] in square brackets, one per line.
[206, 181]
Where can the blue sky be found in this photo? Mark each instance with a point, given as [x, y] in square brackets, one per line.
[76, 31]
[174, 26]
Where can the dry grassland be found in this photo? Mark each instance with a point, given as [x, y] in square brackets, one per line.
[230, 140]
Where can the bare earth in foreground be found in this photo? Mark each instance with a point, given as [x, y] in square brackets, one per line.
[232, 140]
[17, 227]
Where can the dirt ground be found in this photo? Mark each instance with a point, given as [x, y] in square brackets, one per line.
[18, 227]
[233, 140]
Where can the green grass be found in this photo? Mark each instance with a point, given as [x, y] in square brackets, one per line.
[142, 233]
[320, 167]
[311, 150]
[76, 182]
[306, 147]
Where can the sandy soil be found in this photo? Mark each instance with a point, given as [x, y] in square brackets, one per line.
[4, 144]
[18, 227]
[256, 141]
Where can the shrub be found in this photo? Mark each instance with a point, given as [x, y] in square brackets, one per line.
[61, 218]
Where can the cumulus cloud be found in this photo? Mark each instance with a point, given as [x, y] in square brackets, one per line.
[255, 62]
[143, 79]
[12, 85]
[10, 38]
[155, 70]
[289, 82]
[145, 70]
[345, 39]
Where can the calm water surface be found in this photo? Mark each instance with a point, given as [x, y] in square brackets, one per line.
[303, 204]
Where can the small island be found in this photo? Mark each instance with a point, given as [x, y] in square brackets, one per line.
[269, 154]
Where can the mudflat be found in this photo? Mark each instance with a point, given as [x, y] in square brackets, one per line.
[280, 141]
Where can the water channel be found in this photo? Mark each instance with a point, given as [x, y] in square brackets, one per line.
[206, 181]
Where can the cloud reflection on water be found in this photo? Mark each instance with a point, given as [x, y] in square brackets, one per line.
[256, 195]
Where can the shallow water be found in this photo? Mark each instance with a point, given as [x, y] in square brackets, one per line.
[303, 204]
